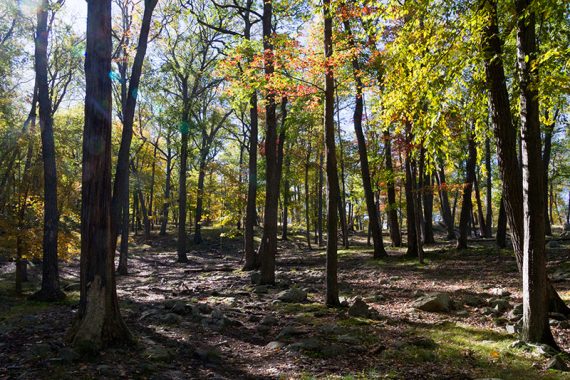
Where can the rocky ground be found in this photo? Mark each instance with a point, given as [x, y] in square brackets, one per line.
[455, 317]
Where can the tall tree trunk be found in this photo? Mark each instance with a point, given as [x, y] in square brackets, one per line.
[320, 201]
[466, 204]
[342, 201]
[488, 196]
[307, 211]
[199, 202]
[251, 260]
[123, 268]
[99, 322]
[268, 247]
[427, 195]
[505, 134]
[417, 211]
[286, 196]
[182, 239]
[375, 228]
[392, 208]
[501, 238]
[332, 174]
[444, 202]
[167, 185]
[413, 248]
[152, 176]
[50, 290]
[535, 282]
[480, 216]
[546, 163]
[120, 187]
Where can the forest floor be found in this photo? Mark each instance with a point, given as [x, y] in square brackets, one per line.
[206, 319]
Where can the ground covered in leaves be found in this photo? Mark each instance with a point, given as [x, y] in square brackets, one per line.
[454, 317]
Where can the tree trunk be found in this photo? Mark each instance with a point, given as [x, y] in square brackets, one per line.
[535, 282]
[332, 174]
[501, 238]
[488, 197]
[444, 202]
[546, 163]
[182, 240]
[413, 247]
[427, 195]
[320, 202]
[480, 217]
[342, 201]
[392, 208]
[466, 204]
[251, 260]
[375, 228]
[120, 187]
[286, 195]
[50, 290]
[199, 200]
[167, 184]
[307, 211]
[268, 247]
[123, 268]
[99, 322]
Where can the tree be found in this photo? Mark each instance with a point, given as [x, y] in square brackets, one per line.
[467, 204]
[99, 322]
[50, 290]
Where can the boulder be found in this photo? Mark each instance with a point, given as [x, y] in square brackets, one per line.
[499, 304]
[309, 344]
[293, 295]
[553, 244]
[433, 303]
[275, 345]
[255, 278]
[473, 300]
[557, 363]
[171, 319]
[289, 331]
[269, 320]
[566, 226]
[359, 309]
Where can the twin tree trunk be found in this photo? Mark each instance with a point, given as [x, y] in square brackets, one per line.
[99, 321]
[332, 174]
[444, 202]
[392, 207]
[251, 261]
[50, 290]
[182, 247]
[525, 223]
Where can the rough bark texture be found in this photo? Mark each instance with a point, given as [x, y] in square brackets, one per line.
[480, 216]
[501, 237]
[427, 195]
[50, 290]
[489, 186]
[332, 174]
[167, 185]
[466, 204]
[535, 282]
[120, 187]
[505, 134]
[546, 163]
[413, 247]
[444, 203]
[99, 322]
[268, 247]
[182, 239]
[307, 211]
[392, 207]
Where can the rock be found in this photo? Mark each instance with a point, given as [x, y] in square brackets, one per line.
[179, 308]
[106, 370]
[499, 304]
[263, 329]
[309, 344]
[511, 329]
[332, 350]
[171, 319]
[395, 278]
[208, 355]
[462, 313]
[348, 339]
[217, 314]
[518, 344]
[557, 363]
[488, 311]
[289, 331]
[434, 303]
[254, 318]
[516, 313]
[359, 309]
[269, 320]
[255, 278]
[68, 355]
[261, 289]
[41, 350]
[553, 244]
[293, 295]
[566, 226]
[473, 300]
[275, 345]
[500, 292]
[544, 349]
[156, 352]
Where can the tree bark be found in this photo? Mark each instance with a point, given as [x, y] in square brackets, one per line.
[268, 247]
[536, 327]
[332, 174]
[546, 163]
[466, 204]
[427, 195]
[320, 202]
[480, 216]
[413, 246]
[375, 228]
[167, 185]
[182, 239]
[50, 290]
[488, 196]
[501, 237]
[444, 202]
[99, 322]
[307, 211]
[392, 208]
